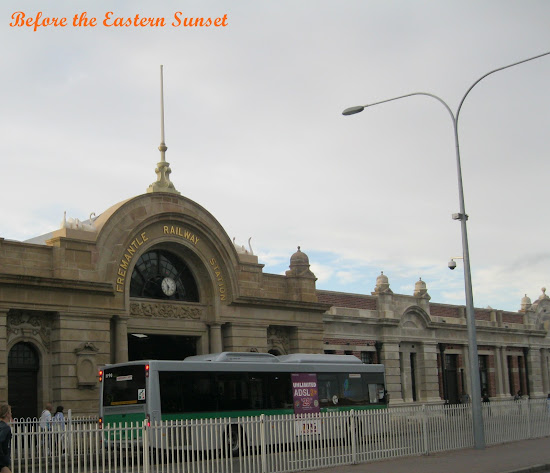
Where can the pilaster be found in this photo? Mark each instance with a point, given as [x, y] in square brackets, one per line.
[533, 360]
[216, 345]
[3, 354]
[121, 339]
[406, 376]
[390, 359]
[428, 384]
[500, 374]
[544, 370]
[505, 371]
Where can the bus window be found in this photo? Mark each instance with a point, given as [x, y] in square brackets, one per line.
[329, 394]
[352, 390]
[232, 391]
[187, 392]
[171, 388]
[279, 391]
[256, 385]
[124, 385]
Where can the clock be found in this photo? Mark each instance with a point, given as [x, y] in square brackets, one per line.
[168, 286]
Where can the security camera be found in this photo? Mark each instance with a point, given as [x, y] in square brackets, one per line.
[452, 264]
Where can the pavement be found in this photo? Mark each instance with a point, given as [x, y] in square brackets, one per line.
[526, 456]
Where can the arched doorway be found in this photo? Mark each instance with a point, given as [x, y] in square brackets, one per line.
[23, 365]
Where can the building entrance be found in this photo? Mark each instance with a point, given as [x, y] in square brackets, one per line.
[23, 366]
[451, 379]
[143, 346]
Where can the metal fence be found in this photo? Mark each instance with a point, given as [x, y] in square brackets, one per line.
[267, 444]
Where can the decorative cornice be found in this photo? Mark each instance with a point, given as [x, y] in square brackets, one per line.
[281, 304]
[58, 283]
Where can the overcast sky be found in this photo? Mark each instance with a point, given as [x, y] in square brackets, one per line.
[255, 133]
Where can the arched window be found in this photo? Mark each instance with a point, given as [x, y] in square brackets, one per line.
[159, 274]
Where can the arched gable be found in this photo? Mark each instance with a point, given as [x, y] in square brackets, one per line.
[415, 317]
[129, 229]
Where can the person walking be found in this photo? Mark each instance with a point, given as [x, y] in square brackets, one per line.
[45, 428]
[46, 417]
[5, 438]
[58, 427]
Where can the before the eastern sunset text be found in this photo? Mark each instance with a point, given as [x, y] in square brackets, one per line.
[110, 19]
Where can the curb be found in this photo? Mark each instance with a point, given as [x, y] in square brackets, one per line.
[530, 469]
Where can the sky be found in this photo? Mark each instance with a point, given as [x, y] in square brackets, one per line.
[255, 133]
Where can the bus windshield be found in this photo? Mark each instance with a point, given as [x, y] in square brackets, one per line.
[124, 385]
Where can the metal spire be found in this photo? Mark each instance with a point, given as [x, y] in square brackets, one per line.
[163, 183]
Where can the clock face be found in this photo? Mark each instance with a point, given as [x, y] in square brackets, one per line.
[168, 286]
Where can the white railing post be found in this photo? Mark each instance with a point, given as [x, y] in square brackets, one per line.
[145, 440]
[263, 443]
[528, 408]
[425, 428]
[353, 437]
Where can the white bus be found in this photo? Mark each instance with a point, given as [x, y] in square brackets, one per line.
[235, 385]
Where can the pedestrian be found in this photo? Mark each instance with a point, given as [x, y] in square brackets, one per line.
[518, 395]
[485, 397]
[46, 427]
[548, 403]
[58, 427]
[58, 417]
[46, 417]
[5, 438]
[465, 398]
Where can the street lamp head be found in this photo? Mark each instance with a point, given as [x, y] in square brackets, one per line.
[353, 110]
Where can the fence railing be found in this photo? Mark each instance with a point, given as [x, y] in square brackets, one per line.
[267, 444]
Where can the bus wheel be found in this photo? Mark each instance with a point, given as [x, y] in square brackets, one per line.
[235, 440]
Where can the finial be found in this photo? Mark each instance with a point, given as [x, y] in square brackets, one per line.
[298, 248]
[162, 147]
[163, 183]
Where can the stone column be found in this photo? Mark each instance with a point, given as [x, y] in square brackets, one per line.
[427, 381]
[4, 354]
[216, 345]
[534, 378]
[390, 359]
[544, 370]
[500, 374]
[406, 375]
[505, 370]
[121, 339]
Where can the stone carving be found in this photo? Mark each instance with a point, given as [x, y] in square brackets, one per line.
[88, 347]
[86, 366]
[382, 285]
[299, 265]
[278, 338]
[421, 290]
[76, 224]
[241, 249]
[30, 324]
[164, 310]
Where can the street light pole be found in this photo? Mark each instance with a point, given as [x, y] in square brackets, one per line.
[479, 436]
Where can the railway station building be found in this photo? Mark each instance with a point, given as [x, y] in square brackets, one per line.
[157, 277]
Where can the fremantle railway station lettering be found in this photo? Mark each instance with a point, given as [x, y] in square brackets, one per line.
[219, 278]
[178, 231]
[142, 238]
[125, 261]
